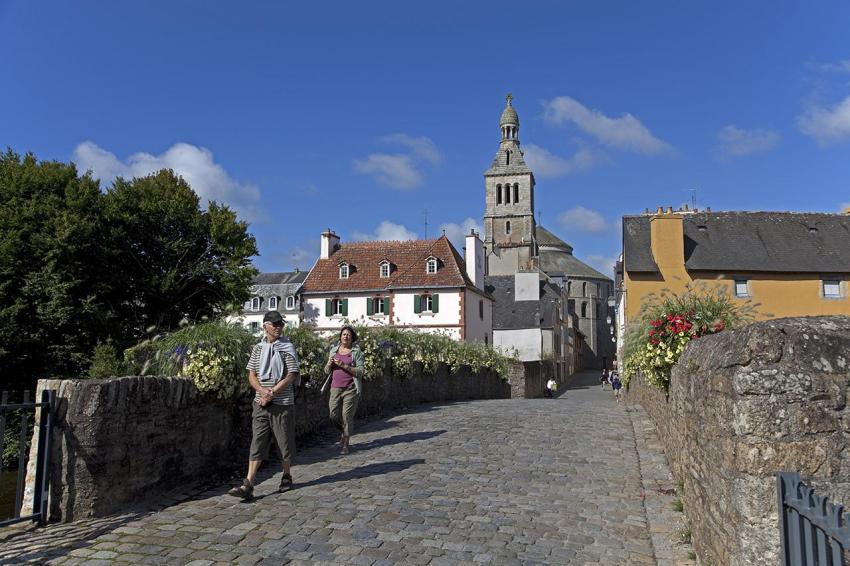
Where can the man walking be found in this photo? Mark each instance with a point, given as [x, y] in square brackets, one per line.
[272, 370]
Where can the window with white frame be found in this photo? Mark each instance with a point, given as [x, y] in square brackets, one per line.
[255, 303]
[290, 302]
[831, 288]
[431, 265]
[741, 288]
[343, 271]
[385, 269]
[254, 327]
[427, 303]
[336, 307]
[272, 303]
[378, 305]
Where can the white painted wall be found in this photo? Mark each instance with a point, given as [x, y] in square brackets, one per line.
[474, 259]
[476, 328]
[526, 341]
[527, 286]
[443, 321]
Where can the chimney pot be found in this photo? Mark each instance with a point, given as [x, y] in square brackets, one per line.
[669, 210]
[660, 210]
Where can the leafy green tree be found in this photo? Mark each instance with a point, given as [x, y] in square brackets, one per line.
[79, 266]
[52, 308]
[171, 260]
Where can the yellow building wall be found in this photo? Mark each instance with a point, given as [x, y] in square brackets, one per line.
[774, 295]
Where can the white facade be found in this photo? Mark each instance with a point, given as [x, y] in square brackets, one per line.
[527, 342]
[478, 318]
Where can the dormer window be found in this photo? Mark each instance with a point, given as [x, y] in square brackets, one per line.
[272, 303]
[431, 265]
[384, 269]
[290, 302]
[343, 270]
[255, 303]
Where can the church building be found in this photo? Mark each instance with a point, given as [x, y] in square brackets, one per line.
[549, 304]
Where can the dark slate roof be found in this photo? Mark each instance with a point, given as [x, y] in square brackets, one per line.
[545, 238]
[749, 241]
[556, 257]
[280, 278]
[513, 315]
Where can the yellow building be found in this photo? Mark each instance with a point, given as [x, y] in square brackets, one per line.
[789, 263]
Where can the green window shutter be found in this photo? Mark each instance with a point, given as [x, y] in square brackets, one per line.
[417, 304]
[386, 305]
[369, 310]
[345, 307]
[436, 302]
[328, 311]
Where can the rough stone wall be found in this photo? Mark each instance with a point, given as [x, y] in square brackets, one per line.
[744, 405]
[120, 442]
[528, 379]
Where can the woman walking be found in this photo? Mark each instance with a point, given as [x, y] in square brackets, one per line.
[345, 370]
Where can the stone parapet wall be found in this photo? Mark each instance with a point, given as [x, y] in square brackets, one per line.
[742, 406]
[120, 442]
[528, 379]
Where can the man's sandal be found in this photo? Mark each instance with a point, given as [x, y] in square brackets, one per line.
[244, 491]
[285, 483]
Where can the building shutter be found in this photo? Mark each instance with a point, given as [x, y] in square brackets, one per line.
[386, 305]
[328, 307]
[435, 303]
[417, 304]
[369, 310]
[345, 307]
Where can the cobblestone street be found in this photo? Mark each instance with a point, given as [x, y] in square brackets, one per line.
[574, 480]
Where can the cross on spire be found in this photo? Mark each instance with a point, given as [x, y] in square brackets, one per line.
[509, 98]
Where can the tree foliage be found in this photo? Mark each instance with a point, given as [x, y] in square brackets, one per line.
[79, 266]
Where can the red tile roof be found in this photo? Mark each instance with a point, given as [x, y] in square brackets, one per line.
[408, 267]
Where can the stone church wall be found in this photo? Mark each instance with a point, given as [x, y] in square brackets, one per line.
[742, 406]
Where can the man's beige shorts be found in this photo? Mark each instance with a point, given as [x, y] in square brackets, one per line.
[277, 420]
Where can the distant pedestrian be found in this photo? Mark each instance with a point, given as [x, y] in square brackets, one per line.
[551, 388]
[272, 372]
[345, 372]
[603, 379]
[616, 385]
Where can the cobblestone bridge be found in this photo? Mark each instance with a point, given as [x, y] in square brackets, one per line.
[574, 480]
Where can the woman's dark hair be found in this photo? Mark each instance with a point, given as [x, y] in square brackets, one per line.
[350, 329]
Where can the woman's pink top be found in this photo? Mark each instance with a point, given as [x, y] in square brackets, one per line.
[342, 379]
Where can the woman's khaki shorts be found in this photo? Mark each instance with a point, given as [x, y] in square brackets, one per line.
[277, 420]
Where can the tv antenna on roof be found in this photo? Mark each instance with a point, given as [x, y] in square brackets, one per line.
[425, 213]
[693, 198]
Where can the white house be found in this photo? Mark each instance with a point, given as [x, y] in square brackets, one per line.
[419, 284]
[272, 292]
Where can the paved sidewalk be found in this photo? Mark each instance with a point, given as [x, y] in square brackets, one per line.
[538, 481]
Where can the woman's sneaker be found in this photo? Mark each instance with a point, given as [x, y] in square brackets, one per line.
[245, 491]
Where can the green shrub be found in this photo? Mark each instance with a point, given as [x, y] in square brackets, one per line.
[654, 341]
[214, 354]
[105, 362]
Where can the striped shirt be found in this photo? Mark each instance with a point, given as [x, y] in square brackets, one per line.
[286, 396]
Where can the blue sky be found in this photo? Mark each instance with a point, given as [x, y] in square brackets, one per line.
[359, 116]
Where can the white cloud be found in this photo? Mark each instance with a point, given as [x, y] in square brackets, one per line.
[826, 125]
[546, 164]
[396, 171]
[421, 147]
[625, 132]
[387, 230]
[195, 164]
[457, 232]
[735, 142]
[604, 264]
[583, 219]
[840, 67]
[400, 170]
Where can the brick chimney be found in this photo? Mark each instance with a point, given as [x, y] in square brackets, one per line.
[667, 239]
[330, 243]
[474, 258]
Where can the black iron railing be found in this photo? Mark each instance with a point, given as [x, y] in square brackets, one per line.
[813, 531]
[42, 475]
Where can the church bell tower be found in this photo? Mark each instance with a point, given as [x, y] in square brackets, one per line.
[509, 190]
